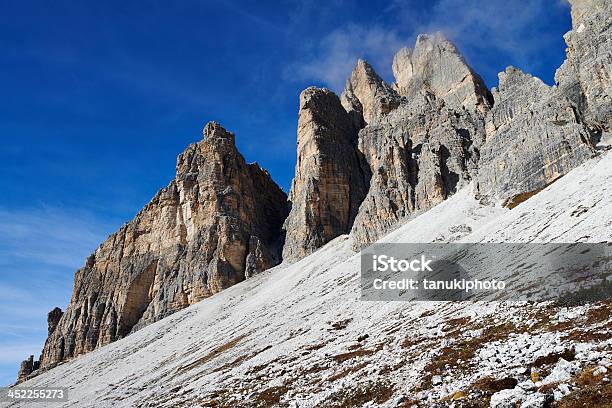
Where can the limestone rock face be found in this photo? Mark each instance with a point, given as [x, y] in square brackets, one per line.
[53, 319]
[366, 96]
[586, 77]
[534, 136]
[329, 182]
[27, 367]
[427, 147]
[218, 221]
[435, 65]
[418, 156]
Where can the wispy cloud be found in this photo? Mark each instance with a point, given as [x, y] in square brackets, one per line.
[40, 248]
[333, 59]
[507, 25]
[509, 28]
[54, 237]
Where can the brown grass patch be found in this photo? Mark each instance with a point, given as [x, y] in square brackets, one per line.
[213, 354]
[552, 358]
[240, 360]
[599, 395]
[411, 341]
[522, 197]
[458, 355]
[347, 371]
[270, 396]
[584, 336]
[601, 313]
[342, 324]
[315, 347]
[587, 379]
[456, 324]
[493, 385]
[340, 358]
[427, 313]
[378, 392]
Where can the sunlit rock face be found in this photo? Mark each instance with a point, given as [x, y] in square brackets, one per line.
[534, 136]
[329, 182]
[366, 97]
[586, 77]
[217, 222]
[436, 66]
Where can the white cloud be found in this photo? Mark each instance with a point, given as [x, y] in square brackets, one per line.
[49, 236]
[40, 249]
[332, 61]
[511, 28]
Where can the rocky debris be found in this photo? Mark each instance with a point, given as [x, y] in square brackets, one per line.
[329, 182]
[436, 66]
[259, 259]
[418, 156]
[218, 222]
[585, 76]
[534, 136]
[366, 96]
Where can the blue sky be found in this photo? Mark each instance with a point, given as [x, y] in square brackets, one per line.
[98, 99]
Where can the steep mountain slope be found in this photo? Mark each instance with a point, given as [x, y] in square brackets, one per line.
[378, 157]
[297, 335]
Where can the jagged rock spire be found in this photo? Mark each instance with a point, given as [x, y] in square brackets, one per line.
[218, 222]
[367, 94]
[329, 184]
[436, 65]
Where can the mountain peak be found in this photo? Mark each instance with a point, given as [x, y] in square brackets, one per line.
[213, 130]
[367, 94]
[436, 65]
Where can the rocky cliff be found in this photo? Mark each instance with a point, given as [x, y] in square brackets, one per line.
[534, 136]
[585, 77]
[329, 182]
[377, 156]
[418, 156]
[436, 66]
[438, 127]
[216, 223]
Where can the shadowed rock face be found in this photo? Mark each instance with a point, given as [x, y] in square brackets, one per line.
[534, 136]
[329, 182]
[585, 77]
[418, 156]
[419, 138]
[26, 368]
[217, 222]
[436, 66]
[53, 319]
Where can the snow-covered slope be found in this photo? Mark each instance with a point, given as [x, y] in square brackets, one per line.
[297, 335]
